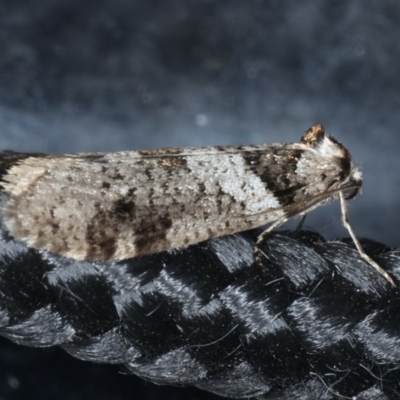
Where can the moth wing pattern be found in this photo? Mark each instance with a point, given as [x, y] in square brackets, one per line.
[112, 206]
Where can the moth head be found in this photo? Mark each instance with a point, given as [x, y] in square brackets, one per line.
[326, 145]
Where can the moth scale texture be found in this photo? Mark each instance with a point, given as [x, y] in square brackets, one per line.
[114, 206]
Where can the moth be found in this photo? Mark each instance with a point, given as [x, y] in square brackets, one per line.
[114, 206]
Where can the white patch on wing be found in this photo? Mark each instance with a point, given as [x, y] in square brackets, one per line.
[231, 175]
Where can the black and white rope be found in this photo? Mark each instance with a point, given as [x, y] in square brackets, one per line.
[320, 323]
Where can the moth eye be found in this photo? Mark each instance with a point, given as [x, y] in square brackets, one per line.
[353, 193]
[313, 136]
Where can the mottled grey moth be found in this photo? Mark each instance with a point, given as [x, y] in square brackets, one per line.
[113, 206]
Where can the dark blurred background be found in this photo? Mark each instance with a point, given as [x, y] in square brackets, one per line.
[109, 75]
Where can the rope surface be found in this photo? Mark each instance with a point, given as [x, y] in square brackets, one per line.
[319, 323]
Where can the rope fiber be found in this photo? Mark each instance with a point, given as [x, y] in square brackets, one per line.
[319, 323]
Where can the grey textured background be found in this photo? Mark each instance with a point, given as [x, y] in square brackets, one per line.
[112, 74]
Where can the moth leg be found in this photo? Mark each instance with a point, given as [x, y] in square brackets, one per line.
[301, 222]
[261, 239]
[364, 256]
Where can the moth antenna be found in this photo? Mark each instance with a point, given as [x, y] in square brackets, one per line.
[364, 256]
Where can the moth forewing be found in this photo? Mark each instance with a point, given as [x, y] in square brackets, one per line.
[113, 206]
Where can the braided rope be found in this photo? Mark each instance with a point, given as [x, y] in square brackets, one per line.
[320, 323]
